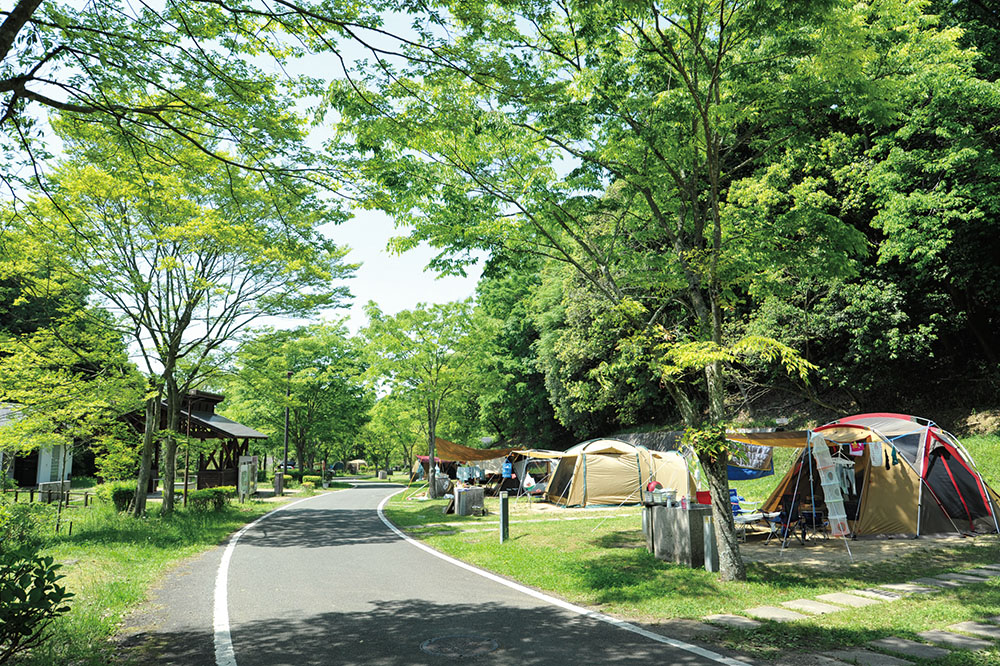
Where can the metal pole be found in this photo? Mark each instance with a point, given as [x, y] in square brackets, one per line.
[504, 517]
[288, 394]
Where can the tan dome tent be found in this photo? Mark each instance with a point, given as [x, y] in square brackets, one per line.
[609, 471]
[893, 474]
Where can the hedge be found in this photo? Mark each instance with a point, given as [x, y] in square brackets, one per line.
[211, 498]
[312, 479]
[120, 493]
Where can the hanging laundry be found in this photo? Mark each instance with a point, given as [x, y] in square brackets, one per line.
[857, 449]
[875, 450]
[845, 476]
[895, 456]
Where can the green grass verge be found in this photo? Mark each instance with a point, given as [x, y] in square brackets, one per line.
[109, 563]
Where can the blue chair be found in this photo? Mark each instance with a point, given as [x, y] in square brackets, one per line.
[741, 516]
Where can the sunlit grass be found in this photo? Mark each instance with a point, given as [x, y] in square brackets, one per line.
[109, 563]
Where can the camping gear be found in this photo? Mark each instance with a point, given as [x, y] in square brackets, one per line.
[608, 471]
[918, 480]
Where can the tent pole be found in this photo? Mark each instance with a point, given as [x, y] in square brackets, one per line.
[805, 455]
[922, 452]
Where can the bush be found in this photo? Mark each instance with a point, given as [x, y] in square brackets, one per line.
[211, 498]
[308, 487]
[312, 479]
[261, 476]
[24, 526]
[119, 493]
[29, 600]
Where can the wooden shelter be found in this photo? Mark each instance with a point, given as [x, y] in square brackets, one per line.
[199, 421]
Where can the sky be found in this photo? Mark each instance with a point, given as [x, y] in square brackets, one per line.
[394, 281]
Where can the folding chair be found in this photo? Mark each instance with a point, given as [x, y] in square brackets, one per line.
[788, 521]
[815, 522]
[741, 516]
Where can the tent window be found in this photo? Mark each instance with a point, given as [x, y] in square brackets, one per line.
[908, 445]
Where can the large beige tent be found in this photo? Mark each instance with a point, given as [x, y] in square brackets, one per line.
[609, 471]
[893, 473]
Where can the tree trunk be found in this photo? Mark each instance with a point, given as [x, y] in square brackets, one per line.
[170, 448]
[152, 416]
[731, 565]
[431, 441]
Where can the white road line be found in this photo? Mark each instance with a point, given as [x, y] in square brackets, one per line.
[579, 610]
[224, 653]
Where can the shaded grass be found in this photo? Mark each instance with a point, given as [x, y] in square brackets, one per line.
[109, 563]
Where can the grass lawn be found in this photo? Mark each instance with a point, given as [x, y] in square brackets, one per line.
[597, 557]
[111, 560]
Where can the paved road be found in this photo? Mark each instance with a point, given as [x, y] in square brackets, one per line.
[326, 582]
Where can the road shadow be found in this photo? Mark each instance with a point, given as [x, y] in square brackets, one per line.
[308, 527]
[415, 632]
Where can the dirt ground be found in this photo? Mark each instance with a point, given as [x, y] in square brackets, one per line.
[820, 552]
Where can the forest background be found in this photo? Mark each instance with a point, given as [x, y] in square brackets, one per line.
[804, 227]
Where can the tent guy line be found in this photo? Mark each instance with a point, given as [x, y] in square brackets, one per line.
[578, 610]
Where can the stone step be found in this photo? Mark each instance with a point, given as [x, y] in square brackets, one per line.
[982, 571]
[908, 588]
[953, 640]
[977, 628]
[909, 648]
[962, 577]
[881, 595]
[937, 582]
[866, 657]
[810, 606]
[776, 614]
[852, 600]
[733, 621]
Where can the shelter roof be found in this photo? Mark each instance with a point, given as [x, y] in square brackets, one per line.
[218, 427]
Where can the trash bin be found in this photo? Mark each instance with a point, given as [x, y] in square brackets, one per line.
[279, 483]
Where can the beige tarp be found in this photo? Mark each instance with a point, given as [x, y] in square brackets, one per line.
[446, 450]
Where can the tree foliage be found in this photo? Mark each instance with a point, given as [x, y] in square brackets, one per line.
[184, 261]
[328, 403]
[425, 355]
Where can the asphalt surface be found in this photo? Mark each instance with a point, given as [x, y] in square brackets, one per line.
[326, 582]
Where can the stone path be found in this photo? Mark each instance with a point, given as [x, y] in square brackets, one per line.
[890, 651]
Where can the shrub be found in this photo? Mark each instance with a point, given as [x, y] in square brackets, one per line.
[312, 479]
[24, 526]
[308, 487]
[119, 493]
[261, 476]
[30, 599]
[211, 498]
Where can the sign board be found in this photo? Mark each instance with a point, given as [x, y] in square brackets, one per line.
[247, 479]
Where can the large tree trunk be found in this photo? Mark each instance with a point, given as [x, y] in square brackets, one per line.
[731, 565]
[170, 448]
[152, 421]
[431, 440]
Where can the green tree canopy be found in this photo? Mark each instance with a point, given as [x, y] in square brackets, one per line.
[425, 354]
[183, 260]
[328, 401]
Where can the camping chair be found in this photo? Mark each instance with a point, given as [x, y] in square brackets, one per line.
[815, 522]
[741, 516]
[788, 521]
